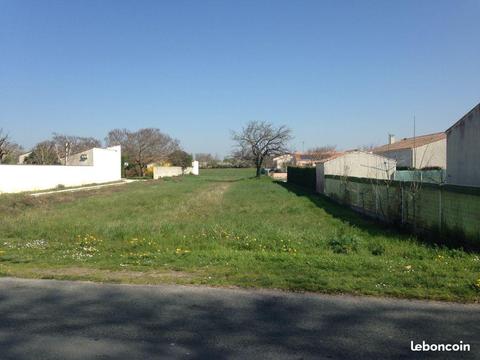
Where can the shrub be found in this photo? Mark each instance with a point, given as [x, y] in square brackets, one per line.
[180, 158]
[377, 249]
[148, 173]
[344, 244]
[476, 284]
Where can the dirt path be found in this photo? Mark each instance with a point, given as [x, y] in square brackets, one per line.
[84, 188]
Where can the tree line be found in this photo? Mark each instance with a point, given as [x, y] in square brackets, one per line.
[139, 149]
[254, 145]
[9, 150]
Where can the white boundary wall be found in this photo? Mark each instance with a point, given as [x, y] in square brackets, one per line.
[106, 168]
[168, 171]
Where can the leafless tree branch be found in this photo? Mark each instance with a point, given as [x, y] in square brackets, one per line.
[259, 140]
[143, 146]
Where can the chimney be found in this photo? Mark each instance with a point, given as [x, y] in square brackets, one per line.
[391, 139]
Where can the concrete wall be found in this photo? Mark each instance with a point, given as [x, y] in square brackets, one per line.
[404, 158]
[431, 155]
[358, 164]
[463, 150]
[449, 210]
[278, 176]
[168, 171]
[195, 168]
[18, 178]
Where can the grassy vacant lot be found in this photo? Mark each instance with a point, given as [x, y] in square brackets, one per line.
[223, 228]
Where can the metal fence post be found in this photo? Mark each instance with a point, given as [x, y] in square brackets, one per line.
[440, 208]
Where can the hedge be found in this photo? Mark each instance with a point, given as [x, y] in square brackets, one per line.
[302, 176]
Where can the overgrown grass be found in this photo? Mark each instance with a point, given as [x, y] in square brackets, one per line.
[224, 228]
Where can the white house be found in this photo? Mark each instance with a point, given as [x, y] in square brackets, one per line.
[463, 150]
[420, 152]
[301, 159]
[22, 157]
[282, 161]
[355, 164]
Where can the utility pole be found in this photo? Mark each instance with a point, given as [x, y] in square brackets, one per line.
[414, 140]
[67, 149]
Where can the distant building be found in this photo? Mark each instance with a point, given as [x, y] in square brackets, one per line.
[22, 157]
[84, 158]
[301, 159]
[312, 158]
[281, 162]
[79, 159]
[463, 150]
[355, 164]
[420, 152]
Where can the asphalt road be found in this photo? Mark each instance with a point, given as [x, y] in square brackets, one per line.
[44, 319]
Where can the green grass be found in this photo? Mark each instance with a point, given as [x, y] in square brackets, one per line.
[224, 228]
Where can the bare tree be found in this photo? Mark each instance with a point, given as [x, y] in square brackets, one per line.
[67, 145]
[206, 160]
[322, 152]
[9, 151]
[14, 150]
[44, 153]
[3, 144]
[368, 147]
[235, 161]
[259, 140]
[180, 158]
[143, 146]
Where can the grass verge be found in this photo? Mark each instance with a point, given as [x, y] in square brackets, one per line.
[224, 228]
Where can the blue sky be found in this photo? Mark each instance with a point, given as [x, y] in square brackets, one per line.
[336, 72]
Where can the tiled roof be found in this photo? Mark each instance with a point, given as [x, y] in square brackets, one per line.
[314, 157]
[334, 156]
[411, 143]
